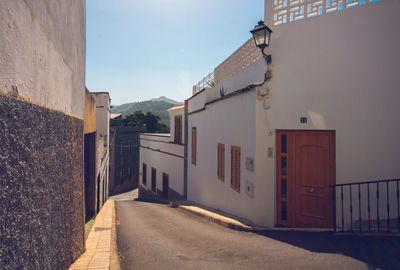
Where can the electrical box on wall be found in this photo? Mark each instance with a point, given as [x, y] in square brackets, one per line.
[270, 152]
[250, 164]
[249, 188]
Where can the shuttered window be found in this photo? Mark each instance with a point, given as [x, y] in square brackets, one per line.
[153, 179]
[221, 162]
[194, 144]
[178, 129]
[144, 174]
[235, 168]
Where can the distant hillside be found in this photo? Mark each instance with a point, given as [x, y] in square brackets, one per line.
[168, 100]
[155, 106]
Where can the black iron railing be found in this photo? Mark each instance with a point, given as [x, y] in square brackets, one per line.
[372, 206]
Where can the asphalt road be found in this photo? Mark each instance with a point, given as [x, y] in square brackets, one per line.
[157, 236]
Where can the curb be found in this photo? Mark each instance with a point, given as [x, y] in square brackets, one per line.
[215, 218]
[210, 216]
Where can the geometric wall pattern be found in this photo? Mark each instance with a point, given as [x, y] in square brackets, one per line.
[293, 10]
[243, 57]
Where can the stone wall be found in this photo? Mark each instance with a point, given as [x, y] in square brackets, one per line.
[41, 187]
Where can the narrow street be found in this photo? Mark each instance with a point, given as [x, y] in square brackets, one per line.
[157, 236]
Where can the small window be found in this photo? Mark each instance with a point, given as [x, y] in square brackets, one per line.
[153, 179]
[283, 210]
[144, 174]
[235, 168]
[194, 144]
[178, 129]
[221, 162]
[283, 143]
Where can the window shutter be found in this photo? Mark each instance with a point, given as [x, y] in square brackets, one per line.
[221, 161]
[144, 174]
[235, 168]
[194, 145]
[178, 129]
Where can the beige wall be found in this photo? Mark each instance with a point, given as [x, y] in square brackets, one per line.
[90, 113]
[42, 53]
[176, 111]
[102, 100]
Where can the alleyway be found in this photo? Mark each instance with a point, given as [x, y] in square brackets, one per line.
[157, 236]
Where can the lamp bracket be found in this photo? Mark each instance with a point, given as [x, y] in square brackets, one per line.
[268, 58]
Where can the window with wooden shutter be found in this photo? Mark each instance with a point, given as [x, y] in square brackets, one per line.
[153, 179]
[221, 162]
[194, 144]
[144, 174]
[235, 168]
[178, 129]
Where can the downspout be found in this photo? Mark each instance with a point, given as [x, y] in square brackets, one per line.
[185, 153]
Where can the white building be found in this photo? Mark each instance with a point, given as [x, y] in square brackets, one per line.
[162, 160]
[103, 103]
[327, 116]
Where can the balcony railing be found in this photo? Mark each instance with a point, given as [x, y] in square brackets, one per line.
[367, 206]
[243, 57]
[207, 81]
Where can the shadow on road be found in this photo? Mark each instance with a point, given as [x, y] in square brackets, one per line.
[377, 251]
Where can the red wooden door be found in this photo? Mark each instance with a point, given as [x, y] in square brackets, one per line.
[308, 171]
[313, 174]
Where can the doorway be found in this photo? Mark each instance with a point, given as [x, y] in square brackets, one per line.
[305, 168]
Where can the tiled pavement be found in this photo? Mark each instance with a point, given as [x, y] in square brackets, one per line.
[100, 244]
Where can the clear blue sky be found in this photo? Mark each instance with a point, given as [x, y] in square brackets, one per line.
[141, 49]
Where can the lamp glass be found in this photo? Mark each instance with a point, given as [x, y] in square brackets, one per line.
[260, 37]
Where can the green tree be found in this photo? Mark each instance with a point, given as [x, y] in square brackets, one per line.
[138, 119]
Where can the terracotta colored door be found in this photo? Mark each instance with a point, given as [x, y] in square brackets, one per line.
[310, 169]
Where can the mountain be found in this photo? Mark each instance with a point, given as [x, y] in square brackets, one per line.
[168, 100]
[158, 106]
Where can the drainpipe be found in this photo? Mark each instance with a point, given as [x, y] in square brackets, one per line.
[185, 153]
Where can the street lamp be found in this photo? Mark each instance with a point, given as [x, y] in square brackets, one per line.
[262, 35]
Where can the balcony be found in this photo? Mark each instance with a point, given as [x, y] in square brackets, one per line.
[236, 63]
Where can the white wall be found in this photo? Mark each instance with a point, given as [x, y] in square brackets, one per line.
[42, 53]
[163, 162]
[339, 70]
[197, 102]
[102, 114]
[231, 122]
[253, 74]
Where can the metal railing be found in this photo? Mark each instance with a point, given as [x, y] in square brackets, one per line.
[372, 206]
[207, 81]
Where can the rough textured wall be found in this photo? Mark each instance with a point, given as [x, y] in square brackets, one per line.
[90, 113]
[41, 187]
[42, 52]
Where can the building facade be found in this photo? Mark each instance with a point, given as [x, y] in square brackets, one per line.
[42, 97]
[103, 103]
[162, 159]
[305, 140]
[124, 163]
[313, 124]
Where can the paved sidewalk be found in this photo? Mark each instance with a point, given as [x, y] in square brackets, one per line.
[101, 249]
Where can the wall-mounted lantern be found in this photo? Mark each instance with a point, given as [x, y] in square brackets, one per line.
[262, 36]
